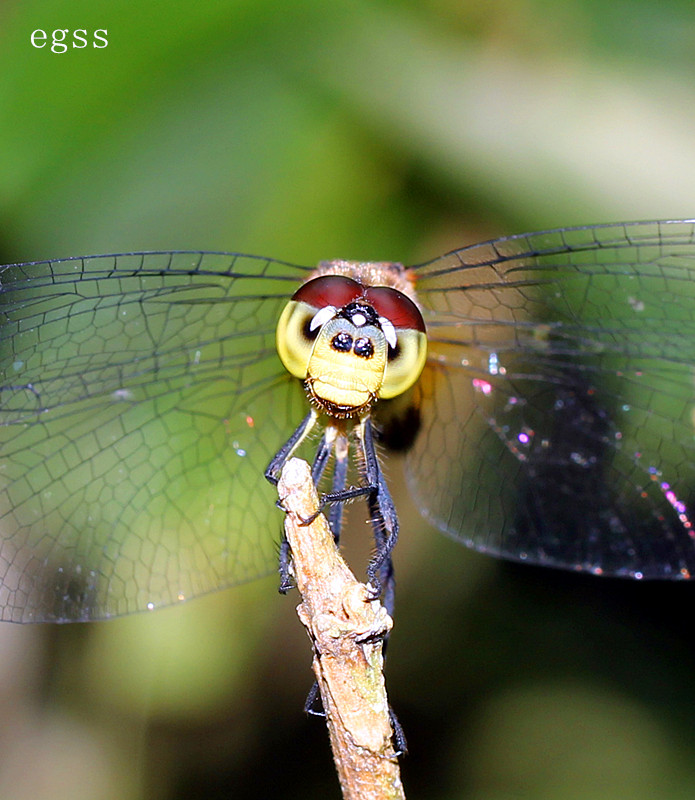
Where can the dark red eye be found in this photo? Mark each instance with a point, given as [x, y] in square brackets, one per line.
[329, 290]
[396, 307]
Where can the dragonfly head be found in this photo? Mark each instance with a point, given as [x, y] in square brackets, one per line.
[351, 343]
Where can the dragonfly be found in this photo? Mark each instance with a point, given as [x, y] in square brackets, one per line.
[548, 415]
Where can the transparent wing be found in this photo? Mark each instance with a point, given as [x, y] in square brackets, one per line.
[557, 410]
[140, 401]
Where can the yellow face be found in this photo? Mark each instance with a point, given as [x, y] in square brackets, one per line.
[352, 344]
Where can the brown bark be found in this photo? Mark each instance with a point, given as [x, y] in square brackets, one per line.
[346, 627]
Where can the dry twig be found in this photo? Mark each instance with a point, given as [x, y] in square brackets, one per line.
[346, 627]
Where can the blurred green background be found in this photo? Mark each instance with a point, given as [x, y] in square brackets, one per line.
[375, 130]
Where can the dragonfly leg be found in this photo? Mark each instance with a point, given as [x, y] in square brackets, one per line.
[381, 562]
[284, 561]
[340, 474]
[339, 493]
[381, 508]
[385, 526]
[273, 470]
[272, 474]
[336, 442]
[384, 519]
[321, 459]
[313, 704]
[399, 739]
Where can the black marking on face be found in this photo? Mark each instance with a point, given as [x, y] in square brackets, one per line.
[364, 347]
[342, 342]
[360, 314]
[394, 352]
[309, 334]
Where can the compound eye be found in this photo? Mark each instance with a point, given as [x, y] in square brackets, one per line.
[395, 307]
[294, 337]
[405, 363]
[328, 290]
[401, 321]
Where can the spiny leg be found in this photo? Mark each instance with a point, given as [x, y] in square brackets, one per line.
[323, 453]
[384, 521]
[273, 470]
[340, 475]
[386, 582]
[339, 494]
[383, 514]
[334, 440]
[272, 474]
[381, 507]
[338, 442]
